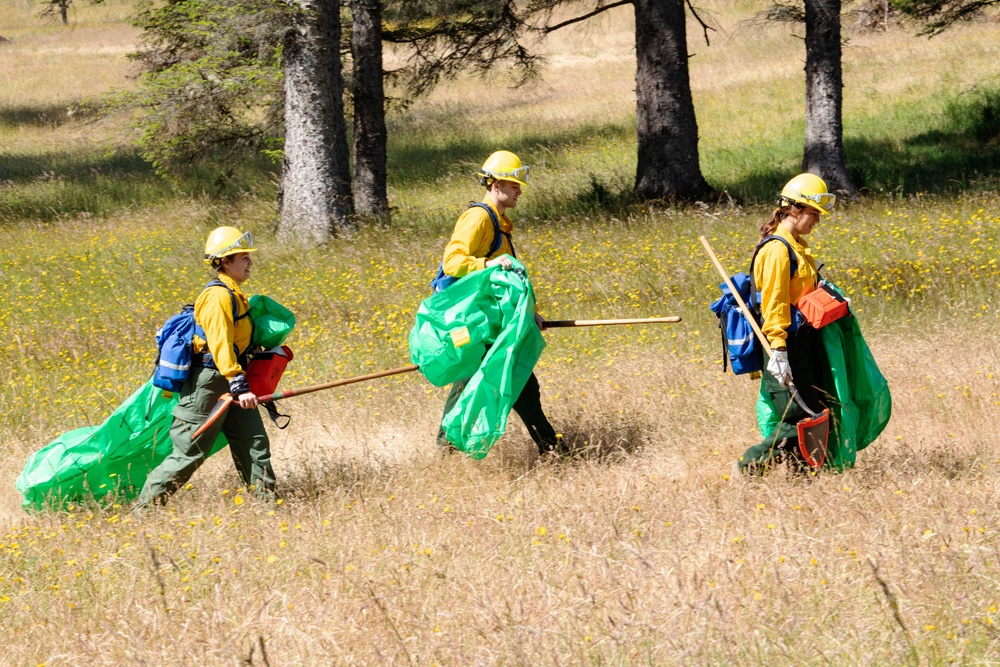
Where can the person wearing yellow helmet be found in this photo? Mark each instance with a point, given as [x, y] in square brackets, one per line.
[220, 349]
[784, 270]
[473, 243]
[481, 239]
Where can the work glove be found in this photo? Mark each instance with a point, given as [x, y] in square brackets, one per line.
[779, 367]
[239, 385]
[240, 388]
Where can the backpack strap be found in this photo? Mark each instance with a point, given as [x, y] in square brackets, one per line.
[498, 233]
[215, 282]
[205, 357]
[794, 266]
[442, 280]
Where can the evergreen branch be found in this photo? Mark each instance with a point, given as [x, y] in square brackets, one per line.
[584, 17]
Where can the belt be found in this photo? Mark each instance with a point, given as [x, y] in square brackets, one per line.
[204, 360]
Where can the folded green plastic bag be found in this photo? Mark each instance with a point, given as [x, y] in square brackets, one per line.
[113, 458]
[272, 322]
[860, 404]
[483, 328]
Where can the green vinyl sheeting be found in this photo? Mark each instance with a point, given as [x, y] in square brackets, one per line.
[481, 327]
[859, 398]
[117, 456]
[113, 458]
[272, 322]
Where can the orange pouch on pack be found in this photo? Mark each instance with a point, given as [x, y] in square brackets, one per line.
[822, 306]
[265, 369]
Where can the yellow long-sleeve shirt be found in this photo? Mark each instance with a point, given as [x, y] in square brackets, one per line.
[778, 291]
[469, 246]
[213, 311]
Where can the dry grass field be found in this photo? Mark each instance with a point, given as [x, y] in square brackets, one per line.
[638, 548]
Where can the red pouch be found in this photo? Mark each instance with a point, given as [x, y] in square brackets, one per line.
[822, 306]
[265, 369]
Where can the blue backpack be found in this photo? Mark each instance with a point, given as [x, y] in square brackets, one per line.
[173, 341]
[740, 347]
[442, 280]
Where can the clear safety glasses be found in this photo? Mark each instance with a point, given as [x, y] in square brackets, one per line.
[826, 200]
[245, 242]
[521, 173]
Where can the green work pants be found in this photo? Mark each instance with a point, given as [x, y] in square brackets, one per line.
[528, 407]
[807, 357]
[244, 429]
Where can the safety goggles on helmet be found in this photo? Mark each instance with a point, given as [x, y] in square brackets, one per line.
[825, 200]
[245, 241]
[521, 173]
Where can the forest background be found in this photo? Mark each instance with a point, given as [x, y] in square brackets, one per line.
[638, 547]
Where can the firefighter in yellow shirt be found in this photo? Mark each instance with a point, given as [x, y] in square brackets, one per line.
[798, 354]
[482, 238]
[218, 366]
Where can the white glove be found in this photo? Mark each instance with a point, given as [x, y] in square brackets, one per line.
[779, 367]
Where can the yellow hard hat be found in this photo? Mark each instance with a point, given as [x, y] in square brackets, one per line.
[809, 190]
[504, 166]
[226, 241]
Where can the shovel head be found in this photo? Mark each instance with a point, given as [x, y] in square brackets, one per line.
[814, 433]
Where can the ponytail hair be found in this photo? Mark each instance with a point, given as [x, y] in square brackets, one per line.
[215, 267]
[783, 210]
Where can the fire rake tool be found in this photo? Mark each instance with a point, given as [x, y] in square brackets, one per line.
[227, 399]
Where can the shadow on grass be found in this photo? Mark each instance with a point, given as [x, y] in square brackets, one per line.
[49, 115]
[76, 166]
[326, 474]
[949, 461]
[605, 437]
[958, 157]
[414, 159]
[963, 155]
[56, 185]
[938, 162]
[46, 115]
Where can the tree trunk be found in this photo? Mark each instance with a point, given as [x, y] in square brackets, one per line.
[824, 149]
[370, 198]
[666, 128]
[64, 11]
[315, 197]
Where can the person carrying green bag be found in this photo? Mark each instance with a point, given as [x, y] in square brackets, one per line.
[482, 239]
[815, 343]
[218, 366]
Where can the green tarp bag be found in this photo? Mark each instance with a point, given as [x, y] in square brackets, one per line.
[861, 403]
[113, 458]
[483, 328]
[117, 456]
[272, 322]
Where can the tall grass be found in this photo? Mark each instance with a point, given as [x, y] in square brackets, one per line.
[635, 549]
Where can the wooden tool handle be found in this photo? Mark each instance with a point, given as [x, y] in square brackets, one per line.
[338, 383]
[753, 322]
[555, 324]
[227, 399]
[736, 295]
